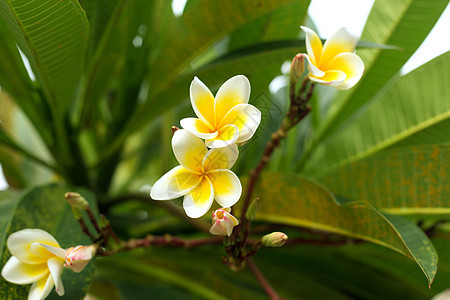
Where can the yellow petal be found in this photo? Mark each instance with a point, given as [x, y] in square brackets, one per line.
[202, 101]
[341, 41]
[332, 78]
[220, 158]
[313, 45]
[41, 288]
[234, 91]
[56, 266]
[198, 128]
[189, 150]
[227, 135]
[199, 200]
[351, 65]
[246, 117]
[175, 183]
[19, 244]
[18, 272]
[227, 187]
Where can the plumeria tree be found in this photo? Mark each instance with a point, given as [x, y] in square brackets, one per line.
[334, 187]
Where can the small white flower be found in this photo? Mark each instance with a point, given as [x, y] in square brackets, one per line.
[37, 259]
[203, 175]
[225, 119]
[223, 222]
[333, 64]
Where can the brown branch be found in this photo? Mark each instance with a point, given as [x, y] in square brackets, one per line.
[166, 240]
[262, 280]
[173, 209]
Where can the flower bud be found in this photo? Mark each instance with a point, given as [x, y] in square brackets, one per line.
[76, 200]
[223, 222]
[274, 239]
[78, 257]
[251, 212]
[297, 68]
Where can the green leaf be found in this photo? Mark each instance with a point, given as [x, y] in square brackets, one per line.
[294, 200]
[417, 102]
[45, 208]
[53, 35]
[402, 180]
[400, 23]
[277, 25]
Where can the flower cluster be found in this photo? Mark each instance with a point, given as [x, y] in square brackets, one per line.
[38, 258]
[204, 173]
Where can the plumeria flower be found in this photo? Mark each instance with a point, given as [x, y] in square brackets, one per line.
[226, 119]
[334, 63]
[223, 222]
[37, 259]
[203, 175]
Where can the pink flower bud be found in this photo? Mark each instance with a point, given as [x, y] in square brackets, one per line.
[274, 239]
[223, 222]
[297, 68]
[78, 257]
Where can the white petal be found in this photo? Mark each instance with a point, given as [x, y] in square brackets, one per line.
[246, 117]
[54, 250]
[202, 101]
[18, 272]
[313, 45]
[198, 128]
[351, 65]
[221, 158]
[199, 200]
[228, 135]
[230, 222]
[175, 183]
[227, 187]
[332, 78]
[189, 150]
[218, 228]
[19, 244]
[313, 69]
[341, 41]
[41, 288]
[234, 91]
[56, 266]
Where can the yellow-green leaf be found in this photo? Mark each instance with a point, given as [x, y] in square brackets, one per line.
[294, 200]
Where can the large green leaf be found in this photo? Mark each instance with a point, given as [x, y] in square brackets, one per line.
[294, 200]
[411, 179]
[45, 208]
[418, 101]
[400, 23]
[54, 36]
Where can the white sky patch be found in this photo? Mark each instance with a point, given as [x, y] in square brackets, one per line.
[436, 43]
[178, 7]
[330, 15]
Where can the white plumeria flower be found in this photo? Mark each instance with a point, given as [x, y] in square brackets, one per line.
[223, 222]
[228, 118]
[333, 64]
[37, 259]
[202, 176]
